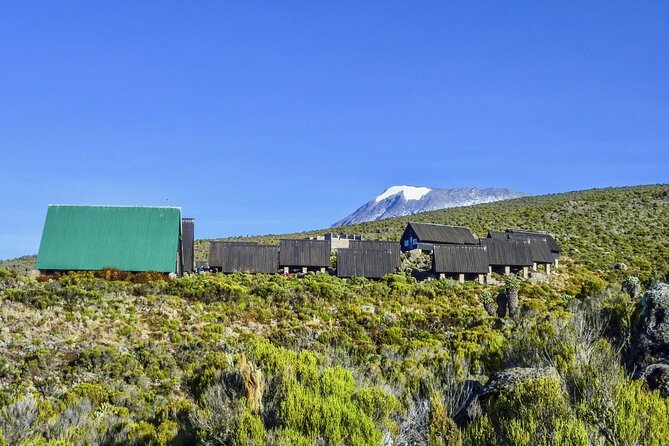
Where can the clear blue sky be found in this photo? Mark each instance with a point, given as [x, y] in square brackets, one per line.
[270, 117]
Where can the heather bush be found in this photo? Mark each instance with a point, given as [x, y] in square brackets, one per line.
[537, 412]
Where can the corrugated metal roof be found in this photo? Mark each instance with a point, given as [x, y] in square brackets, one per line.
[433, 233]
[508, 252]
[129, 238]
[460, 259]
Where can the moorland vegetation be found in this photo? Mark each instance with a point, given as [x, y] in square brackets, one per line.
[111, 358]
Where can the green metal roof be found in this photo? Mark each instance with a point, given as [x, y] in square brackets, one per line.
[128, 238]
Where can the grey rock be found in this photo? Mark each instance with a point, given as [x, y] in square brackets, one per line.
[506, 380]
[657, 377]
[650, 332]
[501, 382]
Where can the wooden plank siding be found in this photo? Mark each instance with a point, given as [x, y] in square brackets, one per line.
[541, 251]
[508, 252]
[230, 257]
[304, 253]
[540, 248]
[370, 263]
[188, 244]
[460, 259]
[393, 247]
[521, 234]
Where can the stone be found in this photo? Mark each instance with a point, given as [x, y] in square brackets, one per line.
[500, 383]
[657, 377]
[506, 380]
[650, 331]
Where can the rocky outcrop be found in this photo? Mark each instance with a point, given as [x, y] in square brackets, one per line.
[657, 377]
[648, 356]
[500, 383]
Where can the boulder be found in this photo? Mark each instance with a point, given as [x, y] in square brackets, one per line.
[506, 380]
[501, 382]
[650, 331]
[657, 377]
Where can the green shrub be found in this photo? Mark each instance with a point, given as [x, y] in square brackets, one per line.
[536, 413]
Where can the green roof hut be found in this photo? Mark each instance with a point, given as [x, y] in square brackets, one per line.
[128, 238]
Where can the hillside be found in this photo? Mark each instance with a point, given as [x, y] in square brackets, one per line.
[111, 358]
[598, 228]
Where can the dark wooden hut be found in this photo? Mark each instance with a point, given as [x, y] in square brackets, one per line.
[508, 254]
[522, 234]
[304, 254]
[370, 263]
[539, 246]
[463, 261]
[230, 257]
[384, 245]
[188, 244]
[425, 236]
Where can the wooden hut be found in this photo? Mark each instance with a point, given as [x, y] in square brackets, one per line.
[540, 248]
[370, 263]
[304, 254]
[522, 234]
[461, 261]
[230, 257]
[508, 255]
[425, 236]
[128, 238]
[384, 245]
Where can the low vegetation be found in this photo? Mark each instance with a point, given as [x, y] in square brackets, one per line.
[110, 358]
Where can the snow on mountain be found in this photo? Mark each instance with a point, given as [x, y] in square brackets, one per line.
[397, 201]
[409, 192]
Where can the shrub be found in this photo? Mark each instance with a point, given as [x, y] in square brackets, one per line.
[536, 413]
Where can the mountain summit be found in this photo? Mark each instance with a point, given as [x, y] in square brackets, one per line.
[397, 201]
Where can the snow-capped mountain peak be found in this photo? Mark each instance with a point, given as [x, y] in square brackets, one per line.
[409, 192]
[397, 201]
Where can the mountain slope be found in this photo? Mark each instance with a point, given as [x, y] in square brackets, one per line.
[598, 228]
[398, 201]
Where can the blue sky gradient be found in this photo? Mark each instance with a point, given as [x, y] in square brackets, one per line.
[271, 117]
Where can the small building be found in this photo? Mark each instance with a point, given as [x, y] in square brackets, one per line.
[539, 247]
[304, 254]
[230, 257]
[337, 241]
[383, 245]
[507, 256]
[461, 262]
[425, 236]
[128, 238]
[370, 263]
[522, 234]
